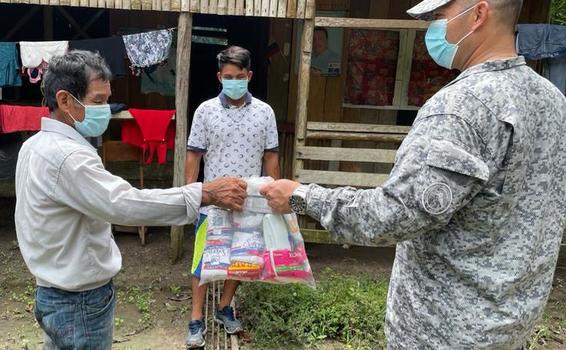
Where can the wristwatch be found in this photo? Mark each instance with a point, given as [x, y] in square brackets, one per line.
[298, 200]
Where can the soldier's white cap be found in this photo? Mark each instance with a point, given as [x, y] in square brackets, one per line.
[423, 10]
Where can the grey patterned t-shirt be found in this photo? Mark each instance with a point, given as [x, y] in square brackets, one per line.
[476, 203]
[233, 140]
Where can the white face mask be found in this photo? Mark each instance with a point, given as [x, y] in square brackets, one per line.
[235, 88]
[95, 121]
[442, 51]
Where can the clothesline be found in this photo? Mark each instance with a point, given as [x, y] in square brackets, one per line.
[143, 49]
[105, 37]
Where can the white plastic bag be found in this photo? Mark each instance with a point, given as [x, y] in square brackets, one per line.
[255, 202]
[255, 245]
[216, 256]
[275, 232]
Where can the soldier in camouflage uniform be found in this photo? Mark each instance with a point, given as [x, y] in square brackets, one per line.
[476, 201]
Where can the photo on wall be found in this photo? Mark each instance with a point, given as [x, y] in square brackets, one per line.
[326, 59]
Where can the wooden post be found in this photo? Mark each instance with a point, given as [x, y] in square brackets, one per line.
[240, 8]
[291, 8]
[404, 64]
[195, 6]
[303, 92]
[401, 72]
[184, 35]
[273, 8]
[301, 4]
[310, 9]
[265, 8]
[249, 7]
[411, 36]
[222, 7]
[213, 6]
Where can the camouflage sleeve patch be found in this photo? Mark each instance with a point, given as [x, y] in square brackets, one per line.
[437, 198]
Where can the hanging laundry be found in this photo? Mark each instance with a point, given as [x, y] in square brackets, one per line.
[117, 107]
[538, 41]
[21, 118]
[160, 78]
[152, 131]
[148, 49]
[555, 71]
[132, 134]
[545, 42]
[112, 49]
[9, 65]
[35, 74]
[37, 55]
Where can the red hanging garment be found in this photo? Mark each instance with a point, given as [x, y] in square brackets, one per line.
[21, 118]
[152, 131]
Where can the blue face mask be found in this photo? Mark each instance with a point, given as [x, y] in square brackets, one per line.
[95, 121]
[234, 88]
[441, 51]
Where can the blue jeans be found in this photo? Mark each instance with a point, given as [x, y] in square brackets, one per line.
[76, 320]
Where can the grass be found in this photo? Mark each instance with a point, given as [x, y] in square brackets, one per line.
[348, 309]
[26, 297]
[551, 329]
[548, 331]
[175, 290]
[118, 322]
[143, 300]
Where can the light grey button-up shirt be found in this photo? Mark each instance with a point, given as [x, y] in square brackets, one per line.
[476, 203]
[65, 200]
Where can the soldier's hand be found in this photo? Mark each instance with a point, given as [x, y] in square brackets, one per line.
[278, 193]
[225, 192]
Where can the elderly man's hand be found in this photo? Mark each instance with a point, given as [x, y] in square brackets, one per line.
[278, 193]
[225, 192]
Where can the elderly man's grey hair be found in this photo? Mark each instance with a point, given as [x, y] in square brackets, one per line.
[72, 72]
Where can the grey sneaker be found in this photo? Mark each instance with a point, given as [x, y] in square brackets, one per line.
[226, 318]
[195, 338]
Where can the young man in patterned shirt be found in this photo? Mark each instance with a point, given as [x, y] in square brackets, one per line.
[236, 134]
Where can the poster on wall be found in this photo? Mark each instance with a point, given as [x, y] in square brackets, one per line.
[372, 67]
[326, 59]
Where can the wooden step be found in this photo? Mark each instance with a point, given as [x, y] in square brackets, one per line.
[216, 337]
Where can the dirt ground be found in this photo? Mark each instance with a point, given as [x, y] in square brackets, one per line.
[154, 296]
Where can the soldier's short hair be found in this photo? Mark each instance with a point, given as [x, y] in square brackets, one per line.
[507, 11]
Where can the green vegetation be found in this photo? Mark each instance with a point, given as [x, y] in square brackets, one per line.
[26, 297]
[558, 12]
[348, 309]
[143, 299]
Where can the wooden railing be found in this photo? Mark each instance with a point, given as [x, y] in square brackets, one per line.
[384, 134]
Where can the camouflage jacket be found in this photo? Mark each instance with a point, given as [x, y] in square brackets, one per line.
[476, 205]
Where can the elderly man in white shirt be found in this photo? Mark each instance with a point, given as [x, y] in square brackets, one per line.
[66, 201]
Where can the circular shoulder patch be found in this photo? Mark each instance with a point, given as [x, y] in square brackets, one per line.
[437, 198]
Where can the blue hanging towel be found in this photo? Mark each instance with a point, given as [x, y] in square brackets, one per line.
[9, 65]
